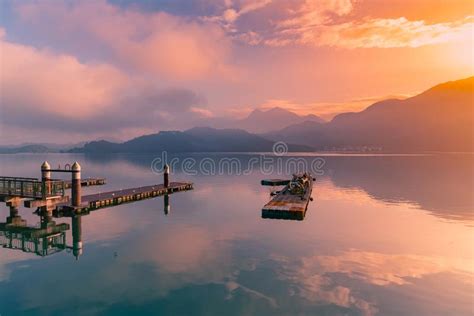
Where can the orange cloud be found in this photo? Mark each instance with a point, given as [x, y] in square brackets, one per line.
[386, 33]
[335, 23]
[316, 12]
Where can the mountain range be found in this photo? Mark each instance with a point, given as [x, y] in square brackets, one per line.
[261, 121]
[439, 119]
[198, 139]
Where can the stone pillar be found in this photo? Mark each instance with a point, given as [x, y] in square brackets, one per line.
[45, 180]
[166, 176]
[76, 184]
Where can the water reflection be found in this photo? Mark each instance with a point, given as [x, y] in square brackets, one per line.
[361, 250]
[43, 240]
[48, 237]
[439, 183]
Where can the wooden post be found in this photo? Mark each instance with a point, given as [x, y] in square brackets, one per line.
[76, 184]
[166, 177]
[45, 179]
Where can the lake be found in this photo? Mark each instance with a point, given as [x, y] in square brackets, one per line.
[384, 235]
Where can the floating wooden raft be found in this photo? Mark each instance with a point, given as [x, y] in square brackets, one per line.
[286, 205]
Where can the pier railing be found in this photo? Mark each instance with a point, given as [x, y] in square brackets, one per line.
[30, 187]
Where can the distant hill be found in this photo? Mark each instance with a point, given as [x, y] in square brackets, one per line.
[199, 139]
[439, 119]
[26, 149]
[262, 121]
[272, 119]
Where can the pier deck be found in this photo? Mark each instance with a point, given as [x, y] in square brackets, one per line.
[106, 199]
[86, 182]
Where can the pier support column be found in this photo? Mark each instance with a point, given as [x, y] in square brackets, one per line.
[166, 176]
[45, 180]
[76, 184]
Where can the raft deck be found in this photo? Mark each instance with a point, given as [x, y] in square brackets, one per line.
[288, 206]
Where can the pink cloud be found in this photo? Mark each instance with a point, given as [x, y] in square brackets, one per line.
[46, 91]
[155, 43]
[58, 83]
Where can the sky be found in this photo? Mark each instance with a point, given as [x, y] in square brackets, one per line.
[83, 70]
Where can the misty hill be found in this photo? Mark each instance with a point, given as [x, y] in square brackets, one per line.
[33, 148]
[439, 119]
[261, 121]
[199, 139]
[275, 118]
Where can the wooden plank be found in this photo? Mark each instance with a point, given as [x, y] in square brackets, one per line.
[87, 182]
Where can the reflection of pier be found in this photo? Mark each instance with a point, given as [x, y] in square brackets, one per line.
[44, 240]
[48, 237]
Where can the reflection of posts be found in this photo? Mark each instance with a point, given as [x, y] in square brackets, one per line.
[13, 211]
[76, 184]
[166, 176]
[45, 180]
[166, 200]
[76, 236]
[46, 220]
[14, 218]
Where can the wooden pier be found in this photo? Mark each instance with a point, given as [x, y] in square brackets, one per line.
[114, 198]
[49, 197]
[48, 194]
[87, 182]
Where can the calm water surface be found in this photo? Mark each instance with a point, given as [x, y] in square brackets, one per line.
[385, 235]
